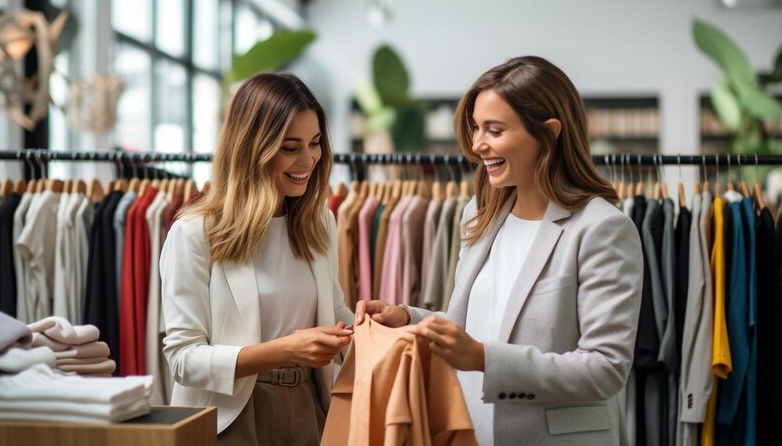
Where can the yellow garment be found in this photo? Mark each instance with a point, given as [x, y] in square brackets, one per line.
[721, 363]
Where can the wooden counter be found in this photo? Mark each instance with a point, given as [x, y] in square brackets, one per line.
[163, 426]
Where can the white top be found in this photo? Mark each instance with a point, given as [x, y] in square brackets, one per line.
[286, 285]
[488, 298]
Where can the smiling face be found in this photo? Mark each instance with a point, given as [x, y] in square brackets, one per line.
[508, 151]
[299, 154]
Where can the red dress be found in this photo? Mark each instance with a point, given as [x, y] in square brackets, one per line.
[134, 292]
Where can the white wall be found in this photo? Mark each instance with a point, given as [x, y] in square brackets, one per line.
[607, 47]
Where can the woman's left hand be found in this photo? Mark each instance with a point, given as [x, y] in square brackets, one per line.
[451, 342]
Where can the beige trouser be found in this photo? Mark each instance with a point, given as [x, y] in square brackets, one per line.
[278, 416]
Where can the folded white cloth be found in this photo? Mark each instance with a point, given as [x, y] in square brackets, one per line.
[14, 360]
[13, 332]
[80, 361]
[41, 382]
[40, 339]
[91, 350]
[105, 366]
[45, 410]
[59, 329]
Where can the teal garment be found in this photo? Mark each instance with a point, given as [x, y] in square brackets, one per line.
[375, 229]
[752, 368]
[732, 403]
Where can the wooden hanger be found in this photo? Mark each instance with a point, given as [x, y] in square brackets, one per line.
[142, 187]
[464, 188]
[423, 190]
[32, 187]
[121, 185]
[79, 187]
[396, 193]
[189, 188]
[341, 190]
[20, 186]
[95, 191]
[364, 190]
[134, 184]
[452, 189]
[437, 191]
[6, 188]
[55, 186]
[682, 203]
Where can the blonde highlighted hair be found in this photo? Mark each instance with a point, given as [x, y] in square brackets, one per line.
[244, 196]
[537, 91]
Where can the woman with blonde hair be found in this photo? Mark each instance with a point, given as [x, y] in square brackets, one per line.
[542, 321]
[253, 311]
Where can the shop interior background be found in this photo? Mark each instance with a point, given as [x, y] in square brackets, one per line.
[631, 55]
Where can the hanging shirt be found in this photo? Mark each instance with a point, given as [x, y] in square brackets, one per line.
[286, 285]
[488, 299]
[35, 244]
[22, 312]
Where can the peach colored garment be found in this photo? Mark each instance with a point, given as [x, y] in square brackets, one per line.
[387, 385]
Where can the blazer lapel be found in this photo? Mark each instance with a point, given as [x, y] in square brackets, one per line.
[244, 288]
[538, 256]
[472, 261]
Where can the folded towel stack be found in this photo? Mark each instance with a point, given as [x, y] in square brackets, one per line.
[42, 394]
[76, 347]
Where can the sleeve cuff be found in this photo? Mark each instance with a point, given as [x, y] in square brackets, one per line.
[224, 369]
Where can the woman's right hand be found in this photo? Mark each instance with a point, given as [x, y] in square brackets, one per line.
[316, 347]
[389, 315]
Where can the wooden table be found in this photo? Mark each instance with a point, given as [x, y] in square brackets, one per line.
[163, 426]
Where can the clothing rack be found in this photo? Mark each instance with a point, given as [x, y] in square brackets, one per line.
[733, 160]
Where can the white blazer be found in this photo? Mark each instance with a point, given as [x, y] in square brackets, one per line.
[212, 311]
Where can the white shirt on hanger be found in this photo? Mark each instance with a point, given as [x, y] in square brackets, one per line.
[489, 297]
[35, 244]
[22, 312]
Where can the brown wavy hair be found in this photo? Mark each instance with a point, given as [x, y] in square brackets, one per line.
[537, 91]
[243, 196]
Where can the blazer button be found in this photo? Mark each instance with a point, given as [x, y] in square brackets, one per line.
[531, 396]
[522, 395]
[502, 395]
[512, 395]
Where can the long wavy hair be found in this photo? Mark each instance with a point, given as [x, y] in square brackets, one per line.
[537, 91]
[244, 195]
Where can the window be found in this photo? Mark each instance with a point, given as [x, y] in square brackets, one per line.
[171, 55]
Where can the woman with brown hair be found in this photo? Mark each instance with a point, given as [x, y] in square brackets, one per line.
[253, 311]
[542, 321]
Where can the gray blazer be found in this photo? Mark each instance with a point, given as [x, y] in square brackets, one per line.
[567, 336]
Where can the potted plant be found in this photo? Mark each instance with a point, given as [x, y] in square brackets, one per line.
[740, 99]
[394, 121]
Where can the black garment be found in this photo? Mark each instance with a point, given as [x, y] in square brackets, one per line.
[647, 343]
[7, 267]
[100, 302]
[769, 330]
[682, 236]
